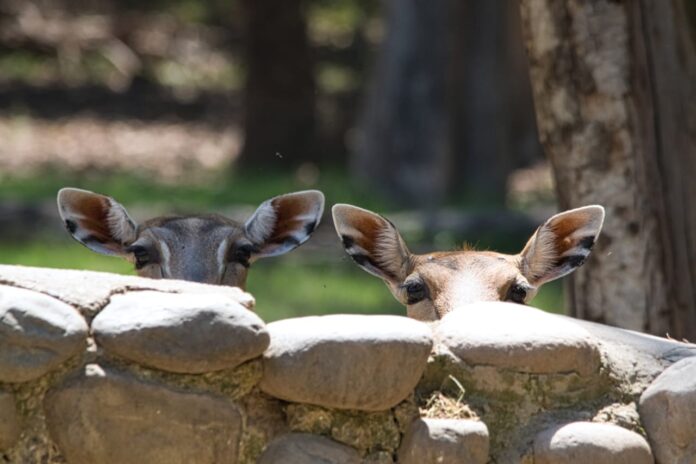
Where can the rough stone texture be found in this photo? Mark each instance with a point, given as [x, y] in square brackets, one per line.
[505, 335]
[10, 425]
[106, 416]
[186, 333]
[591, 442]
[435, 441]
[364, 431]
[37, 333]
[90, 291]
[304, 448]
[368, 363]
[668, 411]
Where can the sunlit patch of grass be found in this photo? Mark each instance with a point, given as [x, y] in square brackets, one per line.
[291, 288]
[62, 255]
[550, 298]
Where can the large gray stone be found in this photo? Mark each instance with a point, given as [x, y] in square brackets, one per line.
[369, 363]
[184, 333]
[668, 412]
[110, 417]
[436, 441]
[518, 338]
[305, 448]
[37, 333]
[10, 425]
[90, 291]
[591, 442]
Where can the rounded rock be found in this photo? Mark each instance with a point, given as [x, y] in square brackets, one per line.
[369, 363]
[435, 441]
[107, 416]
[591, 442]
[668, 412]
[182, 333]
[10, 425]
[305, 448]
[37, 334]
[518, 338]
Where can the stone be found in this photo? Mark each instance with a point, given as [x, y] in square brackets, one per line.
[10, 424]
[519, 338]
[183, 333]
[369, 363]
[106, 416]
[591, 442]
[304, 448]
[668, 412]
[435, 441]
[90, 291]
[37, 334]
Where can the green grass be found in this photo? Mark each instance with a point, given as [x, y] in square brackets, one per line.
[198, 194]
[283, 287]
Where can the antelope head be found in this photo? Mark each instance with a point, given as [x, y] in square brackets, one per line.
[433, 284]
[207, 248]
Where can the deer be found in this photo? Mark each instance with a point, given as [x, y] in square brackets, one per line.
[208, 248]
[431, 285]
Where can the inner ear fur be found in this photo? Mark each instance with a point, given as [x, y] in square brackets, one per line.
[283, 223]
[373, 242]
[561, 244]
[97, 221]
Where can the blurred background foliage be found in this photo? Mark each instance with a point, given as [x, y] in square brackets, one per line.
[174, 106]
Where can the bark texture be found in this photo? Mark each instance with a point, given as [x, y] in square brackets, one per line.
[615, 92]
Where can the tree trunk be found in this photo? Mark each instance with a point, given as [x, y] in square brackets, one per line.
[615, 91]
[279, 98]
[402, 147]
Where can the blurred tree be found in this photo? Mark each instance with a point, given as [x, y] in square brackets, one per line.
[403, 147]
[615, 92]
[450, 107]
[279, 97]
[493, 115]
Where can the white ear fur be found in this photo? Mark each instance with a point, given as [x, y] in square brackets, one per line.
[285, 222]
[372, 241]
[561, 244]
[97, 221]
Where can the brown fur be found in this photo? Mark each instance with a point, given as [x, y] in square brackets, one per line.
[459, 277]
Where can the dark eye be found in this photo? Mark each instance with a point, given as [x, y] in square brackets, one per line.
[142, 256]
[415, 291]
[517, 293]
[241, 254]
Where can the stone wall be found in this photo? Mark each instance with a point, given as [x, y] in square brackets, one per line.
[98, 368]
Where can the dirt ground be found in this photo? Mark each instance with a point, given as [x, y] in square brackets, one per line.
[164, 149]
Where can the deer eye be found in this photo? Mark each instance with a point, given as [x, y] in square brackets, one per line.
[517, 293]
[241, 254]
[415, 291]
[142, 256]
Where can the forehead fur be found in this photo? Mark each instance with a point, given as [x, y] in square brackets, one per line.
[458, 260]
[200, 223]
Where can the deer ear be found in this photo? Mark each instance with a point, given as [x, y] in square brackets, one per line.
[97, 221]
[561, 244]
[373, 242]
[284, 222]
